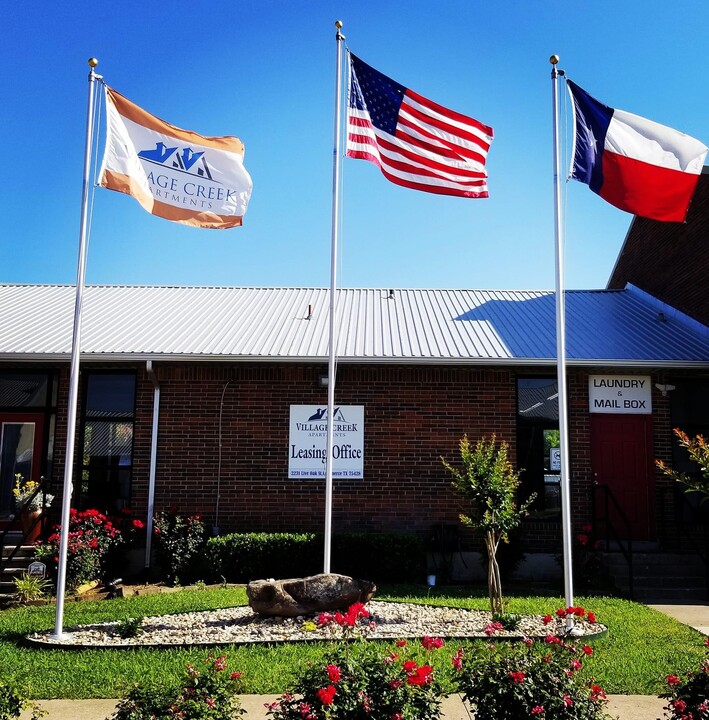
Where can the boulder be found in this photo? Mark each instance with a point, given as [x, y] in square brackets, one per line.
[302, 596]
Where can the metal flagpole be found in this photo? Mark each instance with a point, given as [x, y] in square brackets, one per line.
[75, 352]
[561, 353]
[339, 38]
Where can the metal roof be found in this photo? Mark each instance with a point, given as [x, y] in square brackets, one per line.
[604, 327]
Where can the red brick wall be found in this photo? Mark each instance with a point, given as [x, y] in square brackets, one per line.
[671, 260]
[413, 415]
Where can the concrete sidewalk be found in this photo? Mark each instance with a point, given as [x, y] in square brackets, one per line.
[624, 707]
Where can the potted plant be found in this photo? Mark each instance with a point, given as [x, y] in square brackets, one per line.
[30, 500]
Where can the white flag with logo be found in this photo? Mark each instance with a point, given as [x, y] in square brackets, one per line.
[174, 174]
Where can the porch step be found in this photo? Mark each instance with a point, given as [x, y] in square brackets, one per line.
[658, 575]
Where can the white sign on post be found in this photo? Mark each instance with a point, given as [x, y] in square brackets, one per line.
[555, 459]
[307, 443]
[629, 394]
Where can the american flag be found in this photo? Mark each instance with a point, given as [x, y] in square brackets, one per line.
[415, 142]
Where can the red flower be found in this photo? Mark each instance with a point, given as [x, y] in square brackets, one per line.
[546, 620]
[552, 640]
[327, 695]
[409, 665]
[138, 524]
[517, 676]
[561, 612]
[401, 643]
[210, 702]
[457, 659]
[333, 672]
[236, 675]
[579, 611]
[576, 664]
[568, 701]
[672, 680]
[587, 650]
[220, 663]
[395, 683]
[679, 705]
[396, 716]
[582, 538]
[421, 676]
[537, 710]
[431, 643]
[591, 616]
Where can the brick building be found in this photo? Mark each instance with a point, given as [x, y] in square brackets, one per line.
[218, 372]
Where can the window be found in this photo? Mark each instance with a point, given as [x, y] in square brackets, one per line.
[538, 444]
[26, 390]
[107, 441]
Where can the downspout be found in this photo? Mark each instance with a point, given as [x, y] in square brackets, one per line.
[153, 462]
[216, 529]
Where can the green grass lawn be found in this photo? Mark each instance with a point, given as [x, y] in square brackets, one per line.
[642, 646]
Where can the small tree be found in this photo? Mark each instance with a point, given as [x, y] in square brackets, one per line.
[489, 483]
[699, 452]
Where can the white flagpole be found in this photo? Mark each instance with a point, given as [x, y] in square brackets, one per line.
[75, 352]
[339, 38]
[561, 354]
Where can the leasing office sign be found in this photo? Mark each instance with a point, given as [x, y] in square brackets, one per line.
[308, 441]
[629, 394]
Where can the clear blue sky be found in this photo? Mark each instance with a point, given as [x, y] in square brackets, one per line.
[264, 71]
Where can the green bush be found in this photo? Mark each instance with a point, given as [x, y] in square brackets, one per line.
[12, 703]
[381, 557]
[179, 541]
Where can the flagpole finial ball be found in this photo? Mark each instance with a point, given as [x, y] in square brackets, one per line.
[338, 24]
[554, 59]
[93, 62]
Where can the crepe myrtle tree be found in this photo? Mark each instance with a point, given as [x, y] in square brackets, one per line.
[489, 483]
[698, 450]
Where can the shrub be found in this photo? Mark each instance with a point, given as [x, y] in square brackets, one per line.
[203, 695]
[689, 698]
[367, 684]
[179, 541]
[92, 536]
[381, 557]
[30, 587]
[130, 627]
[241, 557]
[504, 681]
[12, 703]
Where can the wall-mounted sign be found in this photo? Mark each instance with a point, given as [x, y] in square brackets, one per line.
[630, 394]
[308, 441]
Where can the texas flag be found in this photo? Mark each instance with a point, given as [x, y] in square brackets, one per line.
[637, 165]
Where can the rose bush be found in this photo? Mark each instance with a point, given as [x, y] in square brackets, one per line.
[508, 681]
[92, 537]
[179, 540]
[363, 682]
[688, 699]
[208, 694]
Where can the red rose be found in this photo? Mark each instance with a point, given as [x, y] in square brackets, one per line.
[327, 695]
[333, 672]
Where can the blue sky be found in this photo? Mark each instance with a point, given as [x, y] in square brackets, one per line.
[265, 71]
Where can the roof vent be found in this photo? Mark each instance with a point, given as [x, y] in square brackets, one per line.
[390, 296]
[661, 317]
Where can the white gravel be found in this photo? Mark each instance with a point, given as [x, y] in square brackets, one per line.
[239, 625]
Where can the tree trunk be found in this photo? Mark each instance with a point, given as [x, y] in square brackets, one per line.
[494, 584]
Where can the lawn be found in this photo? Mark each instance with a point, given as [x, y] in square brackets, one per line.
[642, 646]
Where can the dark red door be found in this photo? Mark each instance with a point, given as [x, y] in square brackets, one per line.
[621, 458]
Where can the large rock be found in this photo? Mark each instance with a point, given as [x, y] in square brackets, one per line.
[302, 596]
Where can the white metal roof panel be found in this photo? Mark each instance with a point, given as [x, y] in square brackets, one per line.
[375, 325]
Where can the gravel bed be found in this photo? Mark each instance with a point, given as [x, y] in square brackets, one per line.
[240, 625]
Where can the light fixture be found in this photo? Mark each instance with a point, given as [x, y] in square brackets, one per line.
[322, 380]
[664, 389]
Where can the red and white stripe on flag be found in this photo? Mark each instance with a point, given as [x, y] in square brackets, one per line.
[173, 173]
[415, 142]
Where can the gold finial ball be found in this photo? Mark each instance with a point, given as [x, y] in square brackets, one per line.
[93, 62]
[338, 24]
[554, 59]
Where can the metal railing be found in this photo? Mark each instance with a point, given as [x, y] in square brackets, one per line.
[625, 546]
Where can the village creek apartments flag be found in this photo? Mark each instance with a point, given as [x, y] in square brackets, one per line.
[174, 174]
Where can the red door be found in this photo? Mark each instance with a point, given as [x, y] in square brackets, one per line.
[21, 436]
[621, 458]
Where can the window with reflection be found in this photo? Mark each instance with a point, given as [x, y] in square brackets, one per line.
[538, 446]
[107, 441]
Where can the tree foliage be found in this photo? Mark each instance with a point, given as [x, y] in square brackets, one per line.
[489, 482]
[699, 452]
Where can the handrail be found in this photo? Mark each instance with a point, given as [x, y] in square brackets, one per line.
[609, 526]
[702, 554]
[15, 524]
